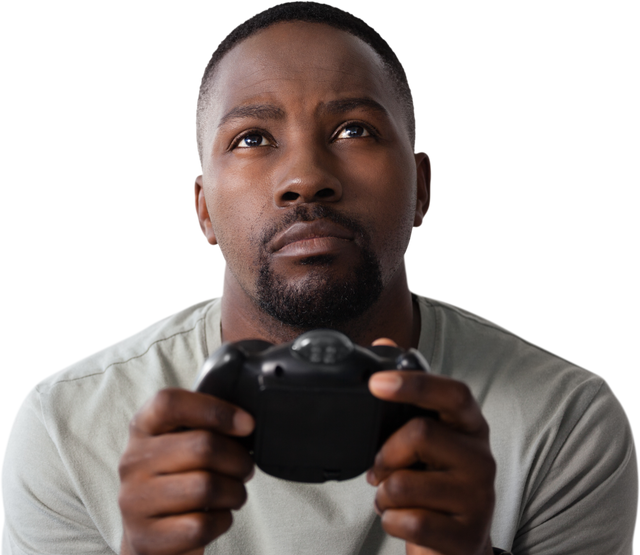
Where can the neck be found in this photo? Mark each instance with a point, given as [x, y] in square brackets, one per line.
[394, 315]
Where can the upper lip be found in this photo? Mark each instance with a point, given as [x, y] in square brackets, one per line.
[309, 230]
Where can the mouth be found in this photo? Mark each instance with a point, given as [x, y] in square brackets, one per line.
[314, 238]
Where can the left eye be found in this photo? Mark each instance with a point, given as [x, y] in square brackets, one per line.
[353, 131]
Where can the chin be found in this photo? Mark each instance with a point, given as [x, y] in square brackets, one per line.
[320, 298]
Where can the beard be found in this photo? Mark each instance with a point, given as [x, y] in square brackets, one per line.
[320, 299]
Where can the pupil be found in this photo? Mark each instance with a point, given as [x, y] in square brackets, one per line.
[253, 140]
[354, 131]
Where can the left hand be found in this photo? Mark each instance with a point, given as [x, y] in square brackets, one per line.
[447, 508]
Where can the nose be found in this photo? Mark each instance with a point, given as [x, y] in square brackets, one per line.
[306, 177]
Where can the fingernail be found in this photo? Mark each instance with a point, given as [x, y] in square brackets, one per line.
[385, 383]
[243, 423]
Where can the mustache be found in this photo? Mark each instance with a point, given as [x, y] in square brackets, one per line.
[306, 213]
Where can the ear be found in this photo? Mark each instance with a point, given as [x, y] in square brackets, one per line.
[203, 213]
[423, 178]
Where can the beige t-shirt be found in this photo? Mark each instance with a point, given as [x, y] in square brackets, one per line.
[566, 480]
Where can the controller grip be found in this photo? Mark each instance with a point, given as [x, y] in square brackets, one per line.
[221, 371]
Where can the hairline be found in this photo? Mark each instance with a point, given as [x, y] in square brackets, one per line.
[206, 87]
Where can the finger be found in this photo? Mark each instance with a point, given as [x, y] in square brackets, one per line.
[185, 493]
[385, 341]
[452, 399]
[436, 491]
[175, 409]
[413, 549]
[443, 492]
[185, 451]
[437, 531]
[179, 533]
[430, 441]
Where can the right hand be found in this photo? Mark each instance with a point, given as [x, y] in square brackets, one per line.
[181, 474]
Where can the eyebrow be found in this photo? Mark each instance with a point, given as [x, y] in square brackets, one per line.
[271, 112]
[258, 111]
[348, 104]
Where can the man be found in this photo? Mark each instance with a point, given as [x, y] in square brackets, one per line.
[310, 187]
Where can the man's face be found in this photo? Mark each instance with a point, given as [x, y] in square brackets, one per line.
[309, 177]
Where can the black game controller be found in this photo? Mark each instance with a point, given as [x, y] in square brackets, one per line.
[315, 417]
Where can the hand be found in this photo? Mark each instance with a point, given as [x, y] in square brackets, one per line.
[445, 509]
[181, 473]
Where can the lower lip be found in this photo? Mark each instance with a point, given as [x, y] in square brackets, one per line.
[314, 247]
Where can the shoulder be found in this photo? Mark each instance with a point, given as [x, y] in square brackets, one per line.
[561, 440]
[495, 361]
[111, 385]
[521, 388]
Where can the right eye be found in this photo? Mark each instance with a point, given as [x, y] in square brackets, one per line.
[253, 139]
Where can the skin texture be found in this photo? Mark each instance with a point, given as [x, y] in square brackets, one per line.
[284, 133]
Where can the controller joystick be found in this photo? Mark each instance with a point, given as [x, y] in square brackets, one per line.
[315, 417]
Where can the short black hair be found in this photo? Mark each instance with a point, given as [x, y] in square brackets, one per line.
[309, 12]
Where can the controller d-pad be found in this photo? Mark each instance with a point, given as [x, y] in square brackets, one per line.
[323, 346]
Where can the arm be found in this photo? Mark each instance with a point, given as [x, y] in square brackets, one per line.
[580, 498]
[585, 499]
[43, 511]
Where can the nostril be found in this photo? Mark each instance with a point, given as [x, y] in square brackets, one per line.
[324, 193]
[290, 196]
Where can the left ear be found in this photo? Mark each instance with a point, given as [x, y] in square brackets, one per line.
[423, 178]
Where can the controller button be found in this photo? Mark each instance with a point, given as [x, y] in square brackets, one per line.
[323, 346]
[412, 360]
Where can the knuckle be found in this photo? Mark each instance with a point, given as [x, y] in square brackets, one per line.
[202, 445]
[240, 498]
[420, 429]
[164, 401]
[124, 466]
[222, 415]
[491, 468]
[396, 487]
[195, 529]
[461, 398]
[195, 486]
[224, 520]
[139, 541]
[213, 490]
[124, 500]
[380, 466]
[198, 529]
[129, 464]
[416, 526]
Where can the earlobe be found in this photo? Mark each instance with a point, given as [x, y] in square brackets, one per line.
[203, 213]
[423, 193]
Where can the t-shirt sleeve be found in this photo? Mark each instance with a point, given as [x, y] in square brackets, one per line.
[585, 501]
[43, 512]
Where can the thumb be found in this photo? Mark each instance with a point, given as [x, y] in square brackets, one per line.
[385, 341]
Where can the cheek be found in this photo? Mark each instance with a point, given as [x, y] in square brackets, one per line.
[387, 185]
[388, 189]
[235, 216]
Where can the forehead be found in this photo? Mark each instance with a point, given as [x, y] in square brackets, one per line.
[300, 64]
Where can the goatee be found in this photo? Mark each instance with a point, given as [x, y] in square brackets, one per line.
[320, 300]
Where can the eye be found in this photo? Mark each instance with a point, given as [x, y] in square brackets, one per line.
[253, 139]
[353, 131]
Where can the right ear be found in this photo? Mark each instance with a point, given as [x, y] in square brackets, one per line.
[203, 213]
